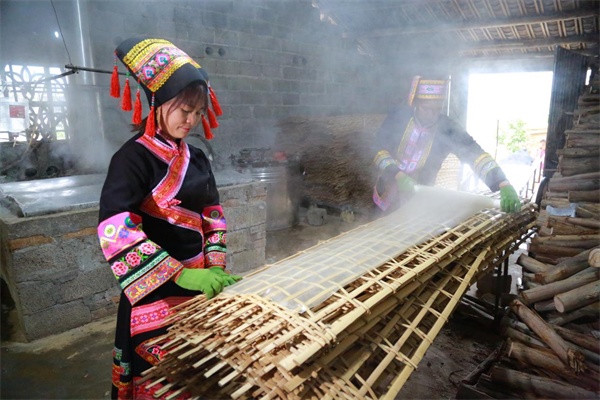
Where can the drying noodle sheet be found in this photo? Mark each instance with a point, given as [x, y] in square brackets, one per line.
[307, 279]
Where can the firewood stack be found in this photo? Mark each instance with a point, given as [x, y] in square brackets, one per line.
[552, 328]
[575, 187]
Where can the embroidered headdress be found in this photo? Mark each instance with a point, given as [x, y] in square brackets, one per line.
[427, 89]
[162, 70]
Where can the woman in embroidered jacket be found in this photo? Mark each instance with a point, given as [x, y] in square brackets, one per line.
[415, 139]
[161, 227]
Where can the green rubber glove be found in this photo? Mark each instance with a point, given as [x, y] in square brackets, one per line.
[205, 280]
[405, 183]
[229, 279]
[509, 199]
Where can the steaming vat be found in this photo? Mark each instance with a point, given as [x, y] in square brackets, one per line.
[275, 173]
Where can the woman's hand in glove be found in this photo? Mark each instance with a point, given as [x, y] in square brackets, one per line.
[509, 199]
[405, 183]
[229, 279]
[208, 281]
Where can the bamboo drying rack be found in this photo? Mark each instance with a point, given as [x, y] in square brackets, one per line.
[362, 342]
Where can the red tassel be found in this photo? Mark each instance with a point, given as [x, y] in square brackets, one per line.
[126, 100]
[151, 120]
[215, 102]
[212, 119]
[207, 133]
[137, 110]
[115, 87]
[150, 123]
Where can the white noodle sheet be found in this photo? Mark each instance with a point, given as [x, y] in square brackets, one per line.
[309, 277]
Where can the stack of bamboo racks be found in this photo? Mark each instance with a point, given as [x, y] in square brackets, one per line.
[364, 339]
[552, 346]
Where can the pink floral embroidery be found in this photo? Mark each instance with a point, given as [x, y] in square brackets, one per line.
[119, 268]
[133, 259]
[147, 248]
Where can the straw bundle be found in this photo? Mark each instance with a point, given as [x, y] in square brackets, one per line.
[336, 154]
[362, 341]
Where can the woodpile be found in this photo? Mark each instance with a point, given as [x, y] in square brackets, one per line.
[552, 328]
[364, 338]
[570, 218]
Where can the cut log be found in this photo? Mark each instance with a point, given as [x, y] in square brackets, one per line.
[582, 139]
[531, 264]
[538, 386]
[576, 166]
[546, 360]
[523, 337]
[586, 181]
[553, 250]
[578, 152]
[584, 222]
[583, 241]
[548, 291]
[556, 196]
[591, 196]
[578, 297]
[544, 306]
[594, 258]
[588, 210]
[573, 358]
[591, 310]
[564, 269]
[565, 228]
[587, 341]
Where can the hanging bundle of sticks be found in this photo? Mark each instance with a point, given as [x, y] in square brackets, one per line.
[359, 338]
[336, 156]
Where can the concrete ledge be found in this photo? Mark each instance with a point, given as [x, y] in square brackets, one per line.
[59, 279]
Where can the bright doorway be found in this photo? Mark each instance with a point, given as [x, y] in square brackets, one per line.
[507, 115]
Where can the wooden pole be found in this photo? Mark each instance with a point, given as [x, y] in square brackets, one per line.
[573, 358]
[531, 264]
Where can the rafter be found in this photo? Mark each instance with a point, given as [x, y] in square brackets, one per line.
[478, 24]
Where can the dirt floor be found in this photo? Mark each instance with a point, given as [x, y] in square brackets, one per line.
[77, 364]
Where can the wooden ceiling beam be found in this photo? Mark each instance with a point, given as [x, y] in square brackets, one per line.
[521, 44]
[465, 25]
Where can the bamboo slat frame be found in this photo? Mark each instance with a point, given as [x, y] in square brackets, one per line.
[245, 346]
